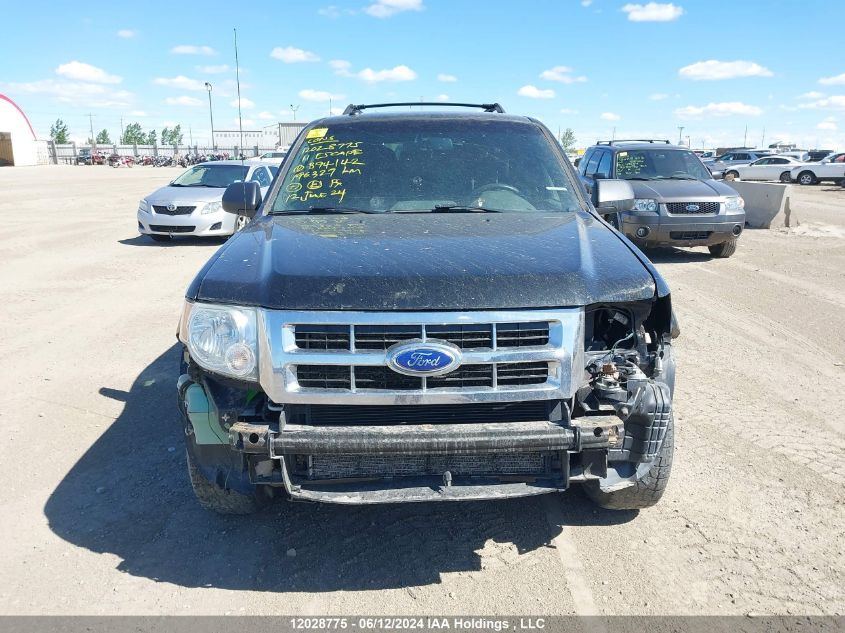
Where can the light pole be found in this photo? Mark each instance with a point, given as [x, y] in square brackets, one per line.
[294, 108]
[210, 114]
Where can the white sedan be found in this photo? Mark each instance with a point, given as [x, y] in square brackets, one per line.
[768, 168]
[831, 168]
[192, 203]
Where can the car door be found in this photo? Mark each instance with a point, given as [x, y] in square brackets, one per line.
[588, 166]
[776, 166]
[834, 168]
[755, 171]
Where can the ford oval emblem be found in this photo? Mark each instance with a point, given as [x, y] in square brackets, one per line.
[692, 207]
[424, 358]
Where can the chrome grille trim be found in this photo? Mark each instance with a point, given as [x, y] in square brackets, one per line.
[279, 356]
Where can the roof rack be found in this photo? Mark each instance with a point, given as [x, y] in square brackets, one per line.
[633, 140]
[353, 109]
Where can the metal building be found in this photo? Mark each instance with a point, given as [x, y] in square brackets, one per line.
[18, 144]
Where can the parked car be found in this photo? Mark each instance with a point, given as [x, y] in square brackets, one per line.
[817, 155]
[734, 158]
[678, 203]
[830, 169]
[768, 168]
[86, 157]
[443, 317]
[192, 203]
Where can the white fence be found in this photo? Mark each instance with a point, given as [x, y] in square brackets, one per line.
[53, 153]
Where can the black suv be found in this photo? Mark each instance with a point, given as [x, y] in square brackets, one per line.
[426, 307]
[678, 203]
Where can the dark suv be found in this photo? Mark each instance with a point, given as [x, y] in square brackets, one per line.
[426, 306]
[677, 201]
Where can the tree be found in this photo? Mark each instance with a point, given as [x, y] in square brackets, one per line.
[567, 139]
[165, 136]
[151, 138]
[133, 135]
[103, 137]
[58, 132]
[172, 137]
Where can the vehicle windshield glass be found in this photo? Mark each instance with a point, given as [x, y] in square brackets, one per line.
[426, 164]
[211, 176]
[658, 164]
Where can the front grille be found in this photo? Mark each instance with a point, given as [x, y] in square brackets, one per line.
[383, 378]
[163, 228]
[386, 415]
[690, 235]
[382, 337]
[680, 208]
[159, 208]
[347, 465]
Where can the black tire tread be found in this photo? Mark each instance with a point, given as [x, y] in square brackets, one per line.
[725, 249]
[220, 500]
[648, 490]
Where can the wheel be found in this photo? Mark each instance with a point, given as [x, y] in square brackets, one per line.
[806, 178]
[216, 498]
[240, 222]
[648, 489]
[725, 249]
[160, 238]
[784, 177]
[731, 175]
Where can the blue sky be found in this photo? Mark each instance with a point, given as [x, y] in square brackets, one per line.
[643, 68]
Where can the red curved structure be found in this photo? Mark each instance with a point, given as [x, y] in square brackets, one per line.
[17, 107]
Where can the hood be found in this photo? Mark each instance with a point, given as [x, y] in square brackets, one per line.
[424, 262]
[185, 194]
[680, 190]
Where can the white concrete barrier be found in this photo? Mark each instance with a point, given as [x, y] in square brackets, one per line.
[766, 203]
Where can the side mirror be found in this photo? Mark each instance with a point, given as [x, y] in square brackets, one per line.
[576, 162]
[614, 195]
[242, 198]
[600, 175]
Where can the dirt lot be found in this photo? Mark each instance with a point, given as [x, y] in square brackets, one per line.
[98, 516]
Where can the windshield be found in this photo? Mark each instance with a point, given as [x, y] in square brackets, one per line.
[658, 164]
[211, 176]
[426, 164]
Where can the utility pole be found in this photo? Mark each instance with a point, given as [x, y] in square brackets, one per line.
[121, 131]
[210, 114]
[745, 137]
[191, 135]
[330, 106]
[763, 140]
[680, 135]
[294, 108]
[93, 138]
[613, 136]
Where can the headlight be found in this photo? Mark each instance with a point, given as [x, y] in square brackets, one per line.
[736, 203]
[212, 207]
[645, 204]
[221, 339]
[142, 206]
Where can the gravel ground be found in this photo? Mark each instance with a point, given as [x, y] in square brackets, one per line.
[99, 518]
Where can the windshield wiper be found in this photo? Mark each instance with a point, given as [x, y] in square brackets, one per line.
[460, 208]
[322, 211]
[676, 178]
[638, 178]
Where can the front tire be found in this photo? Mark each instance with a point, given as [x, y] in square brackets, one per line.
[731, 175]
[806, 178]
[784, 177]
[646, 491]
[725, 249]
[216, 498]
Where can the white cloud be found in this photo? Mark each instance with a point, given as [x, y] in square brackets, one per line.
[533, 92]
[609, 116]
[293, 55]
[446, 78]
[828, 124]
[246, 104]
[387, 8]
[126, 33]
[341, 67]
[336, 111]
[586, 3]
[658, 96]
[813, 94]
[213, 69]
[138, 113]
[319, 95]
[443, 97]
[181, 82]
[245, 122]
[837, 80]
[568, 111]
[183, 101]
[74, 93]
[189, 49]
[653, 12]
[397, 73]
[266, 116]
[712, 69]
[833, 102]
[86, 72]
[727, 108]
[563, 74]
